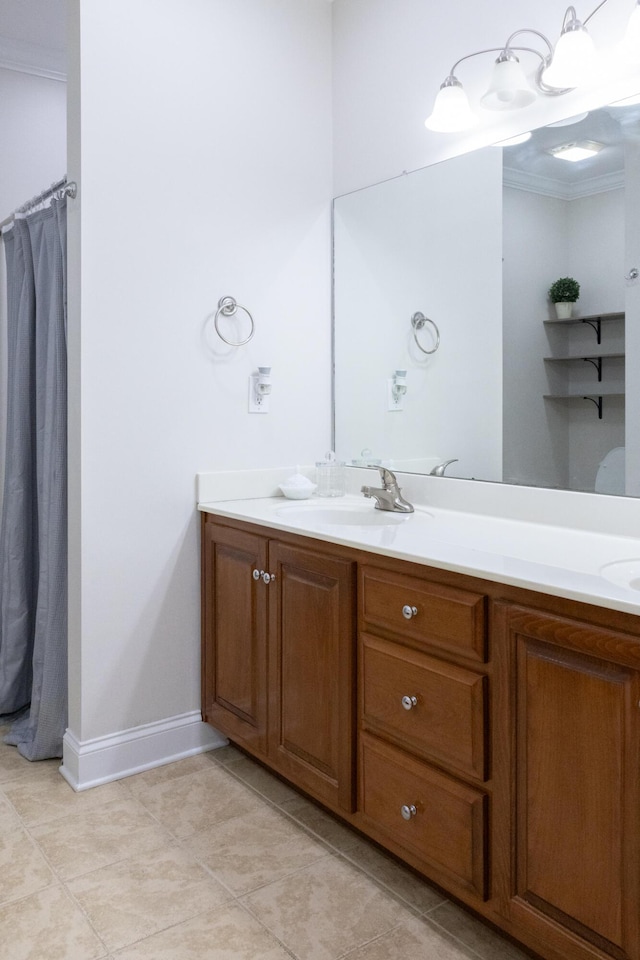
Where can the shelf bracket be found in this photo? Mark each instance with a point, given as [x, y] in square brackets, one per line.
[598, 404]
[597, 326]
[597, 362]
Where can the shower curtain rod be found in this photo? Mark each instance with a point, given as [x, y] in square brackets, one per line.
[60, 189]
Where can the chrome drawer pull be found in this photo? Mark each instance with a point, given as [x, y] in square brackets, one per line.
[409, 702]
[257, 574]
[409, 612]
[408, 811]
[268, 577]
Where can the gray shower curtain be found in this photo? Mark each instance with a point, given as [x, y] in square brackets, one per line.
[33, 531]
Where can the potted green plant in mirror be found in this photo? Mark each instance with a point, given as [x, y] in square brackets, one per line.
[564, 293]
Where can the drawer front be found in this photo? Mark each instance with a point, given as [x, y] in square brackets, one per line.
[432, 707]
[442, 617]
[446, 821]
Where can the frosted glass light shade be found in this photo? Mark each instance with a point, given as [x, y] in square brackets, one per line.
[509, 87]
[451, 110]
[573, 60]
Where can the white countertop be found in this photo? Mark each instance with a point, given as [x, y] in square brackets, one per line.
[562, 561]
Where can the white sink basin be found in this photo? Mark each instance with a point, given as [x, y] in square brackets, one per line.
[624, 573]
[345, 515]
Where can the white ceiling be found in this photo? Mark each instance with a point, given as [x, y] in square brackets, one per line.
[33, 36]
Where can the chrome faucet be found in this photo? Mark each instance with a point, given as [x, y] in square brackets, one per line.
[440, 469]
[389, 496]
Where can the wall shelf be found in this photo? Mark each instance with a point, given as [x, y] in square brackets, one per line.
[594, 320]
[595, 359]
[595, 398]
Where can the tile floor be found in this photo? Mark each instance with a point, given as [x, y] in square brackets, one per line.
[209, 857]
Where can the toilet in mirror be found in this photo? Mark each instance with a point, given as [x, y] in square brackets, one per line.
[443, 275]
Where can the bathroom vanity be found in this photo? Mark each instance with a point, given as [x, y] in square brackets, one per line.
[466, 709]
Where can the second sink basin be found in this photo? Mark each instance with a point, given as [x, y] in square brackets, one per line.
[624, 573]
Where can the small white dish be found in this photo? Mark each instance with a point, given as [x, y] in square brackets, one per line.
[298, 487]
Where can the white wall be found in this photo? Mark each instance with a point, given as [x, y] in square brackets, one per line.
[33, 144]
[201, 142]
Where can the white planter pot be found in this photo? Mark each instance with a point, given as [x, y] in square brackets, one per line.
[564, 310]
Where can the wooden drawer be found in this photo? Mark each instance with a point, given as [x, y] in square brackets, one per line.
[447, 721]
[448, 829]
[447, 618]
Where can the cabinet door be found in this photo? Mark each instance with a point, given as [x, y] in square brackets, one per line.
[577, 798]
[311, 671]
[235, 635]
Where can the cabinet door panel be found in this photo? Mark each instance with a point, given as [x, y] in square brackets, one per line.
[312, 653]
[235, 635]
[576, 789]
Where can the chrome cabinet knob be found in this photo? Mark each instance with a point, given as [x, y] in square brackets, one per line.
[408, 811]
[268, 577]
[409, 612]
[409, 702]
[257, 574]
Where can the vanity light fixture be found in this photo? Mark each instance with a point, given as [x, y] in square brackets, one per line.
[559, 71]
[579, 150]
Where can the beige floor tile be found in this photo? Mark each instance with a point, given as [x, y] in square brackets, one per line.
[23, 869]
[226, 754]
[475, 934]
[326, 910]
[170, 771]
[199, 800]
[43, 795]
[403, 882]
[228, 933]
[13, 765]
[247, 852]
[413, 938]
[261, 780]
[9, 819]
[320, 822]
[47, 926]
[135, 898]
[96, 838]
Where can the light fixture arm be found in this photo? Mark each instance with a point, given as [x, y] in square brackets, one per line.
[504, 52]
[586, 20]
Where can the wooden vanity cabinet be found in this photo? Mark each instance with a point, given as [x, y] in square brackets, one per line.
[279, 656]
[492, 740]
[574, 841]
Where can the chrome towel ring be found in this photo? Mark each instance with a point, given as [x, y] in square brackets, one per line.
[418, 321]
[227, 307]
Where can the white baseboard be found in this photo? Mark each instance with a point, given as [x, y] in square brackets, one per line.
[92, 762]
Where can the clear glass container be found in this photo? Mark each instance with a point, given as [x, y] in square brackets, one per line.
[330, 476]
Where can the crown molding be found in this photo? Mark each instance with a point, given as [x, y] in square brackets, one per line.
[25, 57]
[548, 187]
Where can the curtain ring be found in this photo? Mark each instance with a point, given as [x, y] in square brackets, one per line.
[227, 307]
[418, 321]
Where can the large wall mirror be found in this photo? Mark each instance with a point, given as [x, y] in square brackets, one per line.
[511, 394]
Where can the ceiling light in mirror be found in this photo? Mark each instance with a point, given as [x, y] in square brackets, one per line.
[574, 152]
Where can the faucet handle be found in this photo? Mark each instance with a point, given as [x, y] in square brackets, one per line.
[388, 478]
